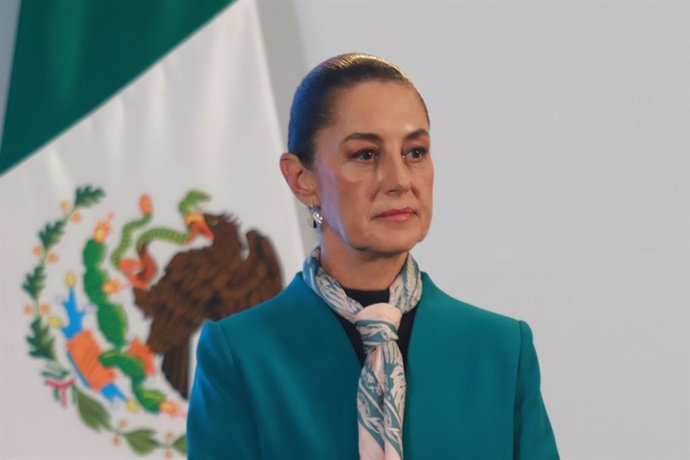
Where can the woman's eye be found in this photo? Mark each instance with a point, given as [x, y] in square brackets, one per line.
[416, 153]
[365, 155]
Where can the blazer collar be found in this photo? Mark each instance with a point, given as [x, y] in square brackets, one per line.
[325, 327]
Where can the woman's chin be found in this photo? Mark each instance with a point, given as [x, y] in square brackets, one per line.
[384, 243]
[391, 246]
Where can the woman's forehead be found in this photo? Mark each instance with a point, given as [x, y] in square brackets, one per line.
[376, 107]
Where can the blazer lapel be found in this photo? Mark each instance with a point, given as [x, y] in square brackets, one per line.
[425, 366]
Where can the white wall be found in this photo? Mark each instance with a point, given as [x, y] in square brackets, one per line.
[560, 138]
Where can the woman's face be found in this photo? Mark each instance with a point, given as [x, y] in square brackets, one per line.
[373, 169]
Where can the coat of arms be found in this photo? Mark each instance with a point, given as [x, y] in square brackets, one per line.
[91, 358]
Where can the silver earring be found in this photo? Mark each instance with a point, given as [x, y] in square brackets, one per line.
[316, 217]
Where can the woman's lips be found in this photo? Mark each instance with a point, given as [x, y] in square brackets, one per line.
[396, 215]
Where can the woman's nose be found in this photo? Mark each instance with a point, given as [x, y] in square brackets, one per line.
[395, 175]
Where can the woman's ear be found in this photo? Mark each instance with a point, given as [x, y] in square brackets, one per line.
[300, 179]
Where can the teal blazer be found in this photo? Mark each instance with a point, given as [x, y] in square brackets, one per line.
[279, 381]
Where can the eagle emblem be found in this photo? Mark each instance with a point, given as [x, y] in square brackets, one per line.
[92, 357]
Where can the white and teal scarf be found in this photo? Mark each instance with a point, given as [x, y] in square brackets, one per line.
[381, 389]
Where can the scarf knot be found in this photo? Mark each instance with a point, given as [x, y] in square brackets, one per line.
[378, 324]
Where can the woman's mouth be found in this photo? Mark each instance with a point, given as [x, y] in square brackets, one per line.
[396, 215]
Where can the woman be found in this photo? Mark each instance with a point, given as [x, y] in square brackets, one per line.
[332, 367]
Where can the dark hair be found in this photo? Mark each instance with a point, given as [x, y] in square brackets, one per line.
[311, 104]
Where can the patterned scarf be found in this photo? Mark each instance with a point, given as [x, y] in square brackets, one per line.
[381, 388]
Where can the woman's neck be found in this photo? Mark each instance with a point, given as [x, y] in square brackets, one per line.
[361, 270]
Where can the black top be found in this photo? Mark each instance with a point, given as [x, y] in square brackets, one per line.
[367, 298]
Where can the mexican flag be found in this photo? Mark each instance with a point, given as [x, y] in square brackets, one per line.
[141, 196]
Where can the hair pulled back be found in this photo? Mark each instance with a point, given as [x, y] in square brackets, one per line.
[311, 105]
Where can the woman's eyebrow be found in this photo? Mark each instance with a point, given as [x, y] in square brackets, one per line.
[363, 136]
[373, 137]
[421, 132]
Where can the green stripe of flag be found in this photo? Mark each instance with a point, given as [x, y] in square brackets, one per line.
[72, 55]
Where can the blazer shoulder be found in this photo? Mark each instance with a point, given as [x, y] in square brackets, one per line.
[463, 316]
[287, 308]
